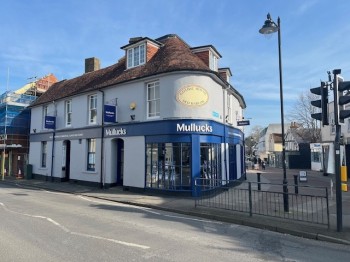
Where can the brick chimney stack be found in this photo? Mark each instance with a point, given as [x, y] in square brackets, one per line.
[92, 64]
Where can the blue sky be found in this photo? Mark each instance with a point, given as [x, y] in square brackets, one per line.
[40, 37]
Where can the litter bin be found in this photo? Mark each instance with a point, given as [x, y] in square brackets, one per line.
[29, 172]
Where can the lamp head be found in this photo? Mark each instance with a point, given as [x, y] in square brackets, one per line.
[269, 26]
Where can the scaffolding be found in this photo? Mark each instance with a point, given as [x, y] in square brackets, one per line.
[14, 131]
[14, 115]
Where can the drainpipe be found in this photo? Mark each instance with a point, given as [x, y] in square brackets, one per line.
[53, 142]
[224, 119]
[102, 182]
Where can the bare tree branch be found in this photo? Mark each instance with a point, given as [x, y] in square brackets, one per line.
[301, 115]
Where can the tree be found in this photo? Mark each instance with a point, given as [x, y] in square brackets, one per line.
[252, 140]
[300, 116]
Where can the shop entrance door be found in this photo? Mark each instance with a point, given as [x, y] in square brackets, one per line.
[120, 162]
[232, 156]
[66, 157]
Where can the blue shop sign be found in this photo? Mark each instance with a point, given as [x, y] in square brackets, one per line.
[110, 114]
[50, 122]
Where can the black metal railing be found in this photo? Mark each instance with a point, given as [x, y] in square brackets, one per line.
[306, 203]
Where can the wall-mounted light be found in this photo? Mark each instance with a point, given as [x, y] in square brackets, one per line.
[132, 105]
[34, 130]
[132, 117]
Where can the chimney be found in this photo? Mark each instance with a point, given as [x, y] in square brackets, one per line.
[135, 39]
[92, 64]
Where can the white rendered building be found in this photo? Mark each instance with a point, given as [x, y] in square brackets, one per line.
[162, 117]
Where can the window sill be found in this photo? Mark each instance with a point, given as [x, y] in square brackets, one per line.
[89, 172]
[153, 118]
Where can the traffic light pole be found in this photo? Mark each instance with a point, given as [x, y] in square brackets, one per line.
[337, 179]
[337, 155]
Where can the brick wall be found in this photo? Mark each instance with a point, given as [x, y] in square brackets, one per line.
[151, 51]
[223, 75]
[204, 56]
[45, 82]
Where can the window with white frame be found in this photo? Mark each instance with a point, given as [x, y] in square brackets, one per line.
[136, 56]
[45, 110]
[68, 112]
[43, 153]
[229, 109]
[92, 109]
[64, 154]
[316, 156]
[213, 61]
[91, 154]
[153, 100]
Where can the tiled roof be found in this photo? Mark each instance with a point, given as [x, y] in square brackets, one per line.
[173, 55]
[301, 135]
[277, 137]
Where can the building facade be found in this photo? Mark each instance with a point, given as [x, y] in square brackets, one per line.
[266, 143]
[323, 154]
[15, 124]
[162, 117]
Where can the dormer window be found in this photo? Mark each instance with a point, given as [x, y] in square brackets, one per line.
[225, 73]
[140, 50]
[209, 55]
[136, 56]
[213, 61]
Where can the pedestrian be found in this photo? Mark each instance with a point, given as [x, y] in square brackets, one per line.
[263, 165]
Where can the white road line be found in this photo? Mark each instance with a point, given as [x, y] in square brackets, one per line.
[111, 240]
[149, 210]
[75, 233]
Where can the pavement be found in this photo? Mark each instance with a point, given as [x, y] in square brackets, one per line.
[186, 205]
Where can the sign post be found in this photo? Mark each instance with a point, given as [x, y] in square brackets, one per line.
[303, 176]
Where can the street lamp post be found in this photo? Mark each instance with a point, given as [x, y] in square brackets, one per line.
[270, 27]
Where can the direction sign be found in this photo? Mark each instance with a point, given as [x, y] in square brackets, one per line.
[243, 123]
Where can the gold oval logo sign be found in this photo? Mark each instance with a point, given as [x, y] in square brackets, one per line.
[192, 95]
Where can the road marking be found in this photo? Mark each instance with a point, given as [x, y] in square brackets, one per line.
[147, 209]
[75, 233]
[111, 240]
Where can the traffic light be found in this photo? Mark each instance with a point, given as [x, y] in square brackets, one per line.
[343, 92]
[321, 103]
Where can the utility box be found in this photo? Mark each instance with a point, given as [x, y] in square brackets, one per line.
[29, 171]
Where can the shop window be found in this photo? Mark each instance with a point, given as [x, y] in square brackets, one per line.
[168, 166]
[91, 154]
[211, 164]
[316, 157]
[43, 153]
[153, 100]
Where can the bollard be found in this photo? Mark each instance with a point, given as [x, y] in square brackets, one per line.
[296, 184]
[250, 199]
[259, 185]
